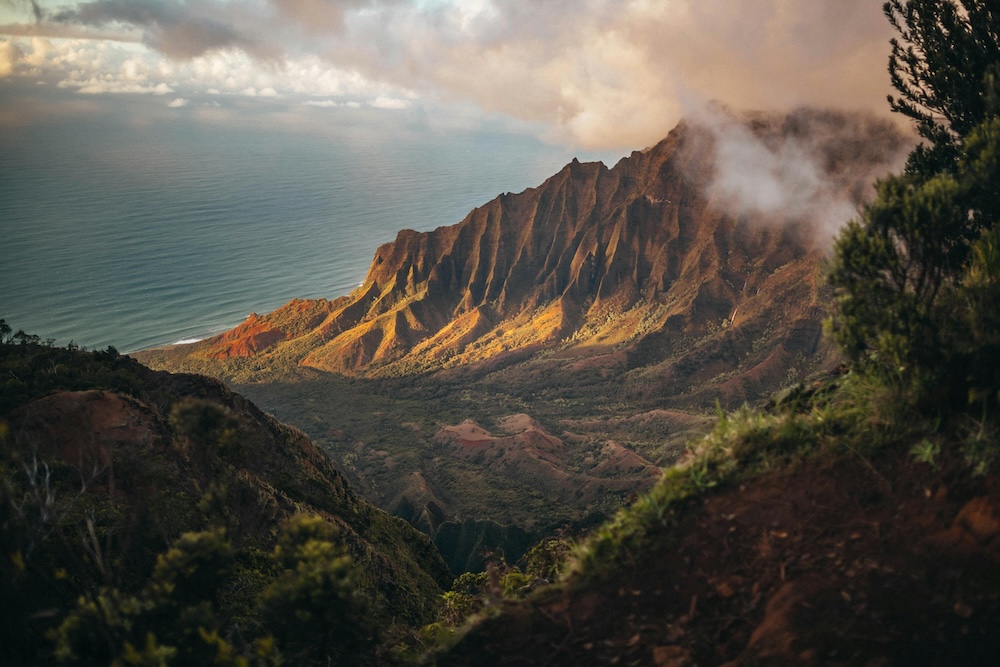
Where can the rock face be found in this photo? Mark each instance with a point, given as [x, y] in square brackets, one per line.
[602, 260]
[612, 305]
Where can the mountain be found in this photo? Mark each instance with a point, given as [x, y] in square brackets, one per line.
[579, 330]
[626, 268]
[109, 468]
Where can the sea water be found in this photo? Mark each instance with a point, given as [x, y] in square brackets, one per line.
[139, 234]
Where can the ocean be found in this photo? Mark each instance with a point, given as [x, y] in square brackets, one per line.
[136, 234]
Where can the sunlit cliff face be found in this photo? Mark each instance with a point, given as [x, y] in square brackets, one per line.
[599, 73]
[716, 233]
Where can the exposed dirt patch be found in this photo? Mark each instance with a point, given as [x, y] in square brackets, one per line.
[838, 564]
[530, 453]
[82, 427]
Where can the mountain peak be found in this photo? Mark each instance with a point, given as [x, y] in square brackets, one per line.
[714, 227]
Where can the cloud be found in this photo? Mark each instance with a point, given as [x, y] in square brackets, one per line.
[319, 16]
[179, 30]
[40, 49]
[9, 55]
[101, 86]
[610, 73]
[177, 103]
[384, 102]
[595, 73]
[815, 166]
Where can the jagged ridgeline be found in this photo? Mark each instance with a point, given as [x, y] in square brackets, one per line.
[146, 514]
[627, 269]
[546, 357]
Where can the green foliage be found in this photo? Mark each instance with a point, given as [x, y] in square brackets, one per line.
[173, 620]
[314, 607]
[477, 594]
[30, 369]
[458, 606]
[193, 565]
[945, 52]
[84, 573]
[926, 451]
[547, 559]
[917, 274]
[206, 429]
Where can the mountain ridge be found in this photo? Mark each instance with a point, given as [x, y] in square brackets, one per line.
[602, 303]
[596, 260]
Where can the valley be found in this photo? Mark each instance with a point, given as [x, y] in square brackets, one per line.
[540, 363]
[734, 400]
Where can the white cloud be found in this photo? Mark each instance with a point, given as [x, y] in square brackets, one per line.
[102, 86]
[599, 73]
[133, 70]
[177, 103]
[384, 102]
[324, 104]
[9, 55]
[40, 48]
[792, 168]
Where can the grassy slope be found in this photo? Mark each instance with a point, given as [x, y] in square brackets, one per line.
[810, 536]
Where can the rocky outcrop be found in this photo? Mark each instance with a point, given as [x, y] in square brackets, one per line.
[528, 453]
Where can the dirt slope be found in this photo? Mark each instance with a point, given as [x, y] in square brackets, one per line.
[836, 564]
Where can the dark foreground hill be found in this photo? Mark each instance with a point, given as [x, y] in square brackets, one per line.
[833, 535]
[167, 514]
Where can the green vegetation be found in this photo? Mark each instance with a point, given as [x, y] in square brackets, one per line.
[917, 275]
[150, 518]
[216, 534]
[918, 280]
[474, 596]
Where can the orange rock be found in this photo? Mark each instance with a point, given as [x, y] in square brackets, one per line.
[980, 518]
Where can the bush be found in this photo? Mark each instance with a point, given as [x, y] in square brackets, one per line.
[916, 274]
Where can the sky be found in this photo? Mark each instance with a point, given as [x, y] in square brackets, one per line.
[600, 75]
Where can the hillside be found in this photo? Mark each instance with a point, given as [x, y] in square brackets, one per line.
[611, 308]
[881, 561]
[110, 470]
[856, 521]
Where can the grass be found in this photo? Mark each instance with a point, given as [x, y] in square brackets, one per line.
[850, 416]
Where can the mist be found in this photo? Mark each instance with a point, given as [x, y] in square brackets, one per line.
[813, 168]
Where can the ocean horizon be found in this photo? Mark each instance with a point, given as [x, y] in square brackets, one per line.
[140, 235]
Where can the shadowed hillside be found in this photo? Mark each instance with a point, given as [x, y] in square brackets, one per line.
[135, 500]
